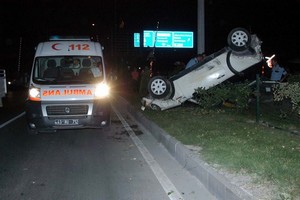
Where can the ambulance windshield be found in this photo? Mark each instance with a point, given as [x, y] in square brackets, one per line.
[68, 69]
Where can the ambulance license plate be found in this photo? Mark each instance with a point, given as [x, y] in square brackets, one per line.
[66, 122]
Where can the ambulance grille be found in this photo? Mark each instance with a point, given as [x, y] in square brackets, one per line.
[67, 110]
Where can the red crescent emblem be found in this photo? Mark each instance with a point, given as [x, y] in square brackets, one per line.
[54, 47]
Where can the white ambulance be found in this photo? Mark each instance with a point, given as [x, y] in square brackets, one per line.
[68, 87]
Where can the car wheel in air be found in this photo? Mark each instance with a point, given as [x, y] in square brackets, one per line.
[239, 39]
[159, 87]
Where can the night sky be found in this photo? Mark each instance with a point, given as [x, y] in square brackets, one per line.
[275, 22]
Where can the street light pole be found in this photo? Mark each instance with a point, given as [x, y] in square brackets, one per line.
[20, 54]
[201, 26]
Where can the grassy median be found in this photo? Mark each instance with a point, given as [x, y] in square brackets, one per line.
[234, 140]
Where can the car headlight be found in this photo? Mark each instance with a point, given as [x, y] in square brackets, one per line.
[34, 94]
[102, 90]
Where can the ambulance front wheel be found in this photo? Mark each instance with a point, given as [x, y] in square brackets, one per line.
[31, 131]
[159, 87]
[106, 123]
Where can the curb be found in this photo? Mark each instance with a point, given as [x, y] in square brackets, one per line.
[217, 184]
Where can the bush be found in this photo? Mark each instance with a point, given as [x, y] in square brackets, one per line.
[290, 91]
[236, 93]
[294, 78]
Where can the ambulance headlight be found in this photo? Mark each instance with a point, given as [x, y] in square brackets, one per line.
[102, 90]
[35, 94]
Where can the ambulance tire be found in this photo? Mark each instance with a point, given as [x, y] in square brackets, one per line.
[107, 126]
[31, 131]
[239, 39]
[159, 87]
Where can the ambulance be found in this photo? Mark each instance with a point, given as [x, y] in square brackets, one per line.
[68, 87]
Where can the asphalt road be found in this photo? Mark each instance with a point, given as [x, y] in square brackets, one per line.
[13, 104]
[124, 162]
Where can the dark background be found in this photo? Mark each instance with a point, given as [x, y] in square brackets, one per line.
[275, 22]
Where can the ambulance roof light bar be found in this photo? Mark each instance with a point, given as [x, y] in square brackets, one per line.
[66, 38]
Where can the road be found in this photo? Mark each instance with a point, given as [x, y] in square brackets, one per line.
[124, 162]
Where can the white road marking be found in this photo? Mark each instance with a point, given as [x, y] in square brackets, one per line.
[165, 182]
[11, 120]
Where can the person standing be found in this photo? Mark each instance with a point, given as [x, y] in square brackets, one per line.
[145, 78]
[278, 73]
[135, 75]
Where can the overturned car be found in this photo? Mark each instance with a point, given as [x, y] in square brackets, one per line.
[242, 52]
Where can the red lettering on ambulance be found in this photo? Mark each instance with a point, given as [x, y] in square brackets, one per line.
[82, 92]
[57, 93]
[51, 92]
[45, 93]
[67, 92]
[79, 47]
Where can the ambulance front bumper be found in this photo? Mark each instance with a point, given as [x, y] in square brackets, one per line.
[49, 116]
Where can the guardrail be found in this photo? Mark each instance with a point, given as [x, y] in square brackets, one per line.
[3, 86]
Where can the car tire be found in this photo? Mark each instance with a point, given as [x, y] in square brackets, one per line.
[239, 39]
[159, 87]
[155, 107]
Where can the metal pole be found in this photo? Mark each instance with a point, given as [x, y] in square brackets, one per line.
[257, 97]
[3, 87]
[153, 51]
[20, 54]
[201, 27]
